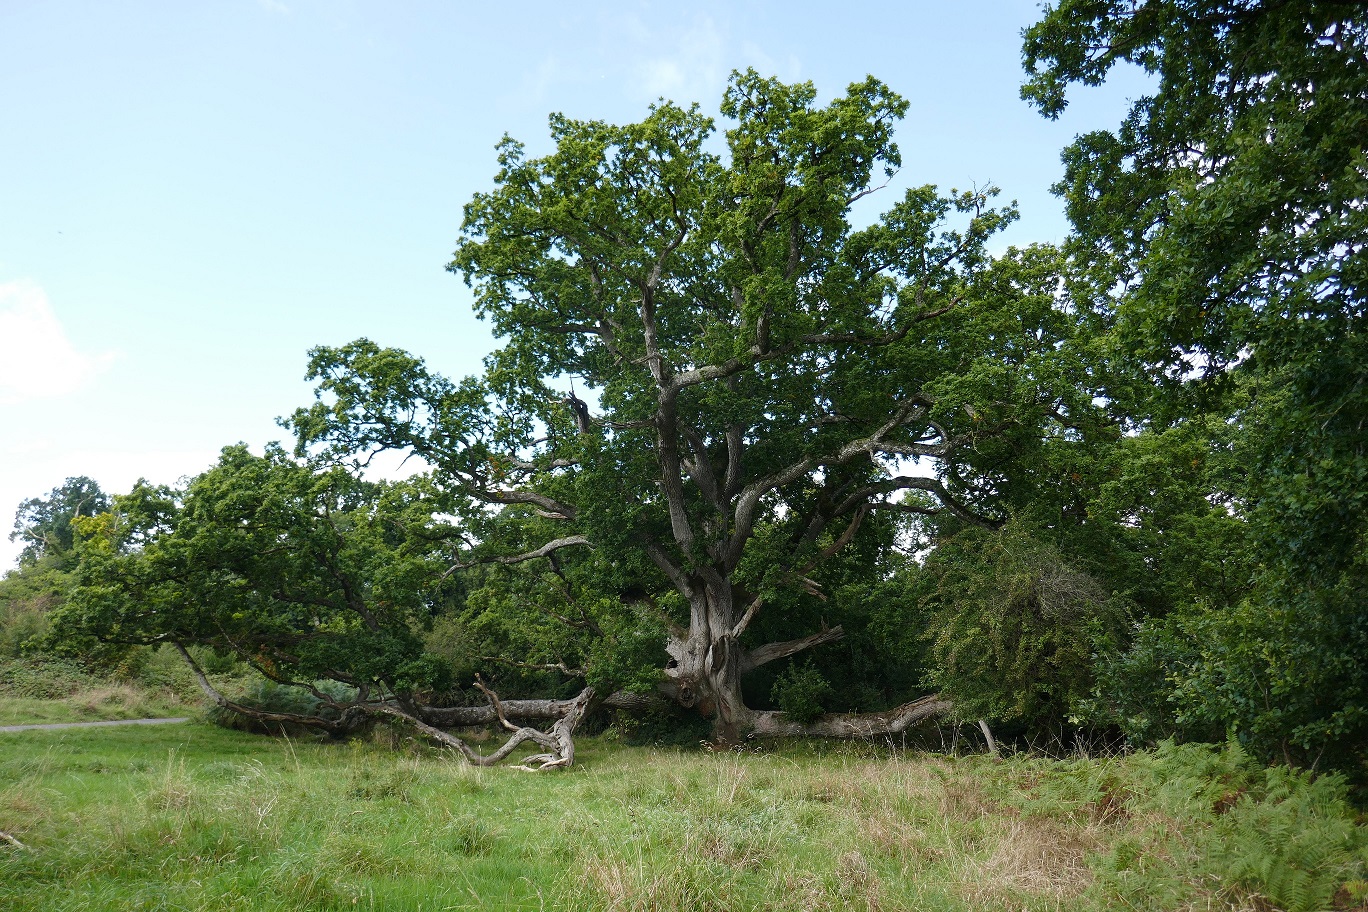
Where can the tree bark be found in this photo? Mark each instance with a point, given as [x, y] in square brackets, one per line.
[850, 725]
[707, 662]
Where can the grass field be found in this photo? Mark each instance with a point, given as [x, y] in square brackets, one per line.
[191, 817]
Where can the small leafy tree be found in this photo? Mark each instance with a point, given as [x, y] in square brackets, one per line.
[309, 576]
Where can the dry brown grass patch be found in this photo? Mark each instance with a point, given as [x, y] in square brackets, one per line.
[1035, 856]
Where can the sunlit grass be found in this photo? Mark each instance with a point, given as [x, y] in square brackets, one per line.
[192, 817]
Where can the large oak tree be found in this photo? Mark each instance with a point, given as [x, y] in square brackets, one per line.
[762, 380]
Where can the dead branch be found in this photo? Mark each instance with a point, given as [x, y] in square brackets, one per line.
[746, 618]
[494, 702]
[541, 666]
[550, 547]
[762, 655]
[851, 725]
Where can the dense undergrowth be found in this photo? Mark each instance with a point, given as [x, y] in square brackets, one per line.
[195, 817]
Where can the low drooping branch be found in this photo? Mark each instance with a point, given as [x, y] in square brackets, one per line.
[558, 743]
[850, 725]
[332, 726]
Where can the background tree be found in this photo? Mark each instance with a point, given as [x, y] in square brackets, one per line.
[1224, 230]
[43, 524]
[763, 380]
[29, 592]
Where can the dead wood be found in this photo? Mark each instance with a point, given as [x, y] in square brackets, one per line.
[767, 724]
[558, 743]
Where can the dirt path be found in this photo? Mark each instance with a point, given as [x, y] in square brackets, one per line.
[51, 725]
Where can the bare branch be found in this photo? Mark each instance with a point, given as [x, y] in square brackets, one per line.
[841, 541]
[539, 666]
[763, 655]
[494, 702]
[545, 550]
[252, 712]
[669, 568]
[746, 618]
[700, 467]
[551, 507]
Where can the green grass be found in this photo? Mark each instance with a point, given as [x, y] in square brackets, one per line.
[190, 817]
[44, 689]
[94, 705]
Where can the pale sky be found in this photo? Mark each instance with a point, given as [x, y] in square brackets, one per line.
[194, 194]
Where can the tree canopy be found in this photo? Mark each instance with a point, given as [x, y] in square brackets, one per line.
[43, 524]
[1222, 228]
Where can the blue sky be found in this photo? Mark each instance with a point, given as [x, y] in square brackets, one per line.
[194, 194]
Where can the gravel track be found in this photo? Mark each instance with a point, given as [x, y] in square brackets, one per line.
[53, 725]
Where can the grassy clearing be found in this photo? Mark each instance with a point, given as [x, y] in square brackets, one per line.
[35, 691]
[192, 817]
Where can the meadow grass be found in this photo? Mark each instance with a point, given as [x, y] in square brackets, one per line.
[190, 817]
[95, 704]
[38, 691]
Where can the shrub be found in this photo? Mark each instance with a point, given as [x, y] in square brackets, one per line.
[1014, 626]
[47, 679]
[801, 692]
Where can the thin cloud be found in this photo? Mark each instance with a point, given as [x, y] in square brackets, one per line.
[693, 68]
[37, 360]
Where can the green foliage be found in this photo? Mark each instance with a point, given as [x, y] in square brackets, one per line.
[27, 596]
[801, 692]
[1014, 627]
[1286, 837]
[1296, 844]
[1285, 672]
[534, 630]
[1220, 235]
[665, 725]
[46, 679]
[301, 574]
[44, 524]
